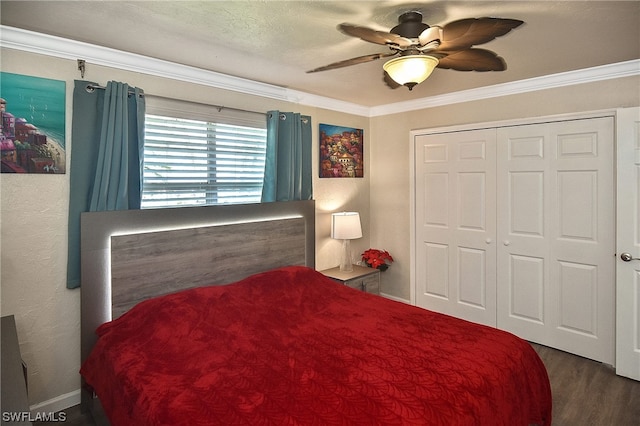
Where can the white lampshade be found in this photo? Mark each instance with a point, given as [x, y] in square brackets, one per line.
[411, 69]
[346, 226]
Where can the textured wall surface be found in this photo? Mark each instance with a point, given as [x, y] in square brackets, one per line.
[34, 253]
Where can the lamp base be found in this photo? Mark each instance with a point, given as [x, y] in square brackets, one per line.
[345, 257]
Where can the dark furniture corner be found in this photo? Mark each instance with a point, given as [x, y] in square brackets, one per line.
[361, 278]
[14, 376]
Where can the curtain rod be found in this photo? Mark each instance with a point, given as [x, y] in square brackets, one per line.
[92, 87]
[218, 107]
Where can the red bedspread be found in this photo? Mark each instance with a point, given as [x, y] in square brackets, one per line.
[291, 347]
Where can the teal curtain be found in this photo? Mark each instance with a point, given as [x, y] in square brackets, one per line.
[287, 175]
[106, 156]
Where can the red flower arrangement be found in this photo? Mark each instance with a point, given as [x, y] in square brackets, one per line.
[377, 259]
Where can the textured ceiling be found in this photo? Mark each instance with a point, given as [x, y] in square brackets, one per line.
[276, 42]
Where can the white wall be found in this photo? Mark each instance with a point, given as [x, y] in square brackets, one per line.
[33, 221]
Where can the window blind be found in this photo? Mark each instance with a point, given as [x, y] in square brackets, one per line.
[190, 162]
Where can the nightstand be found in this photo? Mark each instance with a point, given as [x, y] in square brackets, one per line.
[361, 278]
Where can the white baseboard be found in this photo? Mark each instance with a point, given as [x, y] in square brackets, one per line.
[58, 403]
[397, 299]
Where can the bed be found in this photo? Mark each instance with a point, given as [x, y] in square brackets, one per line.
[283, 345]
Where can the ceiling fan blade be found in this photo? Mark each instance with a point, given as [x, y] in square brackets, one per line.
[430, 35]
[353, 61]
[374, 36]
[472, 60]
[464, 33]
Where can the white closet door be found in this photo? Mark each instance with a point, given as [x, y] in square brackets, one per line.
[455, 224]
[556, 235]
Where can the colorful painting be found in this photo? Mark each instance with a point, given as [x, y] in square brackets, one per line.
[341, 150]
[32, 132]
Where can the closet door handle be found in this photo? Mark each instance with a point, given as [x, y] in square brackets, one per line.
[506, 242]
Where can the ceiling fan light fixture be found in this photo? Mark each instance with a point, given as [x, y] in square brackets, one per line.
[410, 70]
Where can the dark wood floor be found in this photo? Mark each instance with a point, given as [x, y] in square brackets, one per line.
[585, 393]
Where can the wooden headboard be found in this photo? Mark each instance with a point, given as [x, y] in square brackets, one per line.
[129, 256]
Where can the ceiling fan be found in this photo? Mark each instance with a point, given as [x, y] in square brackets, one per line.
[420, 48]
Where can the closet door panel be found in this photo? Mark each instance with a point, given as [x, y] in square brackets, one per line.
[436, 189]
[526, 288]
[526, 207]
[578, 291]
[472, 277]
[555, 208]
[522, 198]
[455, 224]
[436, 272]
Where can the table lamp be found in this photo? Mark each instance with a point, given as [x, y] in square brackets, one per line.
[345, 226]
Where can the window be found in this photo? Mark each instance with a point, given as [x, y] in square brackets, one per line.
[190, 162]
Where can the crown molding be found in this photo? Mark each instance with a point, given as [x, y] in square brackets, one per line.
[34, 42]
[44, 44]
[317, 101]
[569, 78]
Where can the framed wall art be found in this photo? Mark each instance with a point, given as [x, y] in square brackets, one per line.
[32, 132]
[341, 152]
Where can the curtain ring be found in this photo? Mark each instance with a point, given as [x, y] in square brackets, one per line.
[90, 89]
[283, 116]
